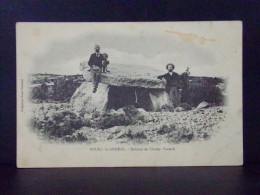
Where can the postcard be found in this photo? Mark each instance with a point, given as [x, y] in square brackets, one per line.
[129, 94]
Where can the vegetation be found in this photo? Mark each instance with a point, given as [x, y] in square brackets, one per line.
[198, 89]
[60, 88]
[40, 92]
[110, 119]
[64, 88]
[65, 123]
[165, 129]
[59, 124]
[175, 134]
[185, 106]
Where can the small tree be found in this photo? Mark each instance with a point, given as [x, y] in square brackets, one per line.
[184, 79]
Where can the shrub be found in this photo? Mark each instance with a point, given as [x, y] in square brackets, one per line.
[164, 129]
[185, 106]
[131, 116]
[77, 136]
[200, 89]
[136, 135]
[88, 123]
[40, 92]
[64, 89]
[181, 135]
[130, 110]
[166, 108]
[59, 124]
[110, 120]
[198, 93]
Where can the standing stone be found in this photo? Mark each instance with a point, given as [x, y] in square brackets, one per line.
[85, 101]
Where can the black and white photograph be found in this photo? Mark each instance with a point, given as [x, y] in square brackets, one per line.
[129, 94]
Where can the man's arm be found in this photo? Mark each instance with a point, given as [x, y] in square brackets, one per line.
[90, 62]
[161, 77]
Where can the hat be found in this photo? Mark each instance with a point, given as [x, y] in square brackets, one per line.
[170, 65]
[96, 46]
[105, 55]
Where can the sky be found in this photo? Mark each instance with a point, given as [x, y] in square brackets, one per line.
[207, 48]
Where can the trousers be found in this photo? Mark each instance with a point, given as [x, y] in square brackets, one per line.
[174, 96]
[96, 76]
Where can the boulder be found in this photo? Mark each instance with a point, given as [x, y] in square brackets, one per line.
[115, 129]
[203, 105]
[88, 116]
[141, 111]
[179, 109]
[112, 111]
[120, 111]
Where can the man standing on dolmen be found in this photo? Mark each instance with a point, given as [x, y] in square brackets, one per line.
[95, 63]
[172, 82]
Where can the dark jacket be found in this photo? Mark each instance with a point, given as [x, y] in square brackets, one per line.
[105, 62]
[94, 60]
[172, 81]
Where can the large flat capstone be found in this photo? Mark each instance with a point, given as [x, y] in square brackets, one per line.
[127, 76]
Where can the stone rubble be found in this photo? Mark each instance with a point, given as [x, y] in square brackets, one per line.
[158, 127]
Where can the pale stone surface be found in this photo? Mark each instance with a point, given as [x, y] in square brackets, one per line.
[159, 99]
[127, 75]
[84, 100]
[120, 111]
[179, 109]
[202, 105]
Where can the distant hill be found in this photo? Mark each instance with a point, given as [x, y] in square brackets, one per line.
[40, 78]
[54, 87]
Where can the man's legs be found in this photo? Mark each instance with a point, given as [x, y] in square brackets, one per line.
[96, 76]
[93, 78]
[90, 68]
[174, 96]
[103, 69]
[106, 69]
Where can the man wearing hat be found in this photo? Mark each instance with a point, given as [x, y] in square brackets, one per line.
[172, 82]
[95, 63]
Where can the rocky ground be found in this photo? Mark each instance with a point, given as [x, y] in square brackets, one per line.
[59, 122]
